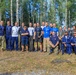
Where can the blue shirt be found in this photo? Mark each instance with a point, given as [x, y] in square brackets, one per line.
[54, 39]
[66, 39]
[8, 30]
[55, 30]
[73, 40]
[38, 31]
[1, 30]
[24, 36]
[46, 31]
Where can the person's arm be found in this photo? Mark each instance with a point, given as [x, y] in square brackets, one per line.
[34, 34]
[51, 44]
[57, 42]
[63, 41]
[41, 33]
[27, 33]
[72, 43]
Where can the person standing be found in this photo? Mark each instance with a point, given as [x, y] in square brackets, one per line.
[38, 37]
[2, 35]
[43, 25]
[8, 35]
[46, 36]
[21, 28]
[15, 34]
[31, 34]
[73, 42]
[24, 38]
[60, 35]
[55, 29]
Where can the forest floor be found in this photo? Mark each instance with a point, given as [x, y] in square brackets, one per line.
[37, 62]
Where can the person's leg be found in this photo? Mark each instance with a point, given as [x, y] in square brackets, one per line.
[48, 46]
[2, 42]
[12, 43]
[16, 39]
[75, 49]
[26, 44]
[62, 48]
[40, 43]
[31, 45]
[22, 48]
[40, 46]
[10, 40]
[36, 43]
[44, 44]
[51, 47]
[26, 47]
[68, 49]
[7, 42]
[19, 42]
[56, 50]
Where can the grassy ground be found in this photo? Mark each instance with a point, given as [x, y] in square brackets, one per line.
[17, 61]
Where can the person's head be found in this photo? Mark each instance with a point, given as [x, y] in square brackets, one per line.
[64, 28]
[60, 28]
[8, 23]
[2, 23]
[34, 25]
[68, 28]
[51, 25]
[25, 28]
[53, 33]
[74, 33]
[23, 24]
[16, 23]
[43, 23]
[46, 23]
[30, 24]
[54, 25]
[73, 27]
[38, 24]
[66, 33]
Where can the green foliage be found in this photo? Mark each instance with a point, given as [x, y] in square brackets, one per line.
[42, 6]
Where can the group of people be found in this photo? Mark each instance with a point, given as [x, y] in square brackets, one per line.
[36, 37]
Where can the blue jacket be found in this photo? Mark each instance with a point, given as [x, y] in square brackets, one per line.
[38, 31]
[24, 36]
[73, 40]
[54, 39]
[67, 40]
[8, 30]
[1, 30]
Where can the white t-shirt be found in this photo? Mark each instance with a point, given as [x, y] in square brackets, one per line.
[31, 31]
[15, 31]
[42, 27]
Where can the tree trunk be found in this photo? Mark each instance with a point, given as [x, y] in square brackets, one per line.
[11, 13]
[66, 14]
[17, 7]
[0, 12]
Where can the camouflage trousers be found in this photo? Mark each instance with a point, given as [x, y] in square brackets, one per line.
[2, 42]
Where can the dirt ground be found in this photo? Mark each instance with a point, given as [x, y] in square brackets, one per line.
[17, 61]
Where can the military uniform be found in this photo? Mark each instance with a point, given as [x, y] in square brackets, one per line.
[8, 37]
[1, 36]
[66, 44]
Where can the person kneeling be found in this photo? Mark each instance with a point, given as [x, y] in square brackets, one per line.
[54, 41]
[24, 38]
